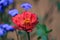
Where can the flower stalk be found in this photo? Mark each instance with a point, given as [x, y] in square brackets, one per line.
[28, 35]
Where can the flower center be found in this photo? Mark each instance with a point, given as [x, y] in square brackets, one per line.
[26, 21]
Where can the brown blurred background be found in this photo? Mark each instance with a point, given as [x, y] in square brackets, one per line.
[43, 8]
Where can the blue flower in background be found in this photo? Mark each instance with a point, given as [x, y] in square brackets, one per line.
[10, 28]
[1, 9]
[2, 1]
[10, 1]
[13, 12]
[6, 2]
[2, 32]
[7, 27]
[26, 6]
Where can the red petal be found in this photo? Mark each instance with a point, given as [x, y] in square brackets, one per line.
[33, 18]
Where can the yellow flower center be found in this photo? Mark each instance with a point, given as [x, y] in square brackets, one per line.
[26, 21]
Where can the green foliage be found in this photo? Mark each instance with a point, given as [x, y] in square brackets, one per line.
[1, 15]
[58, 6]
[6, 19]
[44, 37]
[0, 38]
[42, 31]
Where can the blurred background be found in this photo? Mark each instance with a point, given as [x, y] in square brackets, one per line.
[47, 9]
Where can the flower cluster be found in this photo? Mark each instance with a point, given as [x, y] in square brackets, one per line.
[25, 21]
[4, 28]
[5, 3]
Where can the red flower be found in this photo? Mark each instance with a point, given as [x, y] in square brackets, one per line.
[25, 21]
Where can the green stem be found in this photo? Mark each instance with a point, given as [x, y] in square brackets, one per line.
[1, 16]
[28, 34]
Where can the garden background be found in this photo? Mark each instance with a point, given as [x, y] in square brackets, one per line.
[42, 8]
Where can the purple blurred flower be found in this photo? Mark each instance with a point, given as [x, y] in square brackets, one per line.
[1, 9]
[2, 32]
[6, 2]
[13, 12]
[2, 1]
[10, 28]
[7, 27]
[26, 6]
[4, 28]
[10, 1]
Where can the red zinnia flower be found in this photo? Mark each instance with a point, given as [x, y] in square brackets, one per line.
[25, 21]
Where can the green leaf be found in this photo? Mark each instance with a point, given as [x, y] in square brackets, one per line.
[58, 6]
[49, 31]
[42, 31]
[44, 37]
